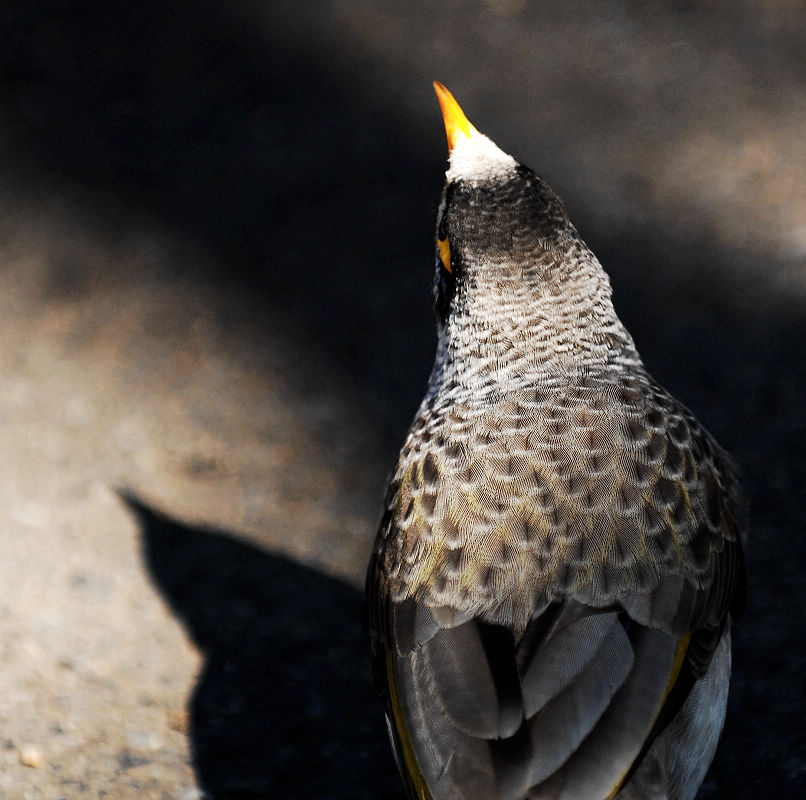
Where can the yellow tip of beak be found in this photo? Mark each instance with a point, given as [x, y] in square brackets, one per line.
[456, 123]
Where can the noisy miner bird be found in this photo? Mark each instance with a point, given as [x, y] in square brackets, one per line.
[552, 585]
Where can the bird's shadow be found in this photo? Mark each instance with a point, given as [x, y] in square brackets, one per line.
[283, 706]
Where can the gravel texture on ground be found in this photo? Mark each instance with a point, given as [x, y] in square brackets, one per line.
[215, 255]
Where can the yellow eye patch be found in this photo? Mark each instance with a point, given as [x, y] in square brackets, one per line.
[445, 252]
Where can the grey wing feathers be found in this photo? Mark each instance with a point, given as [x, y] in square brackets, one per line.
[488, 719]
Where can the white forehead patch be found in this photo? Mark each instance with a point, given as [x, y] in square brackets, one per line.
[475, 158]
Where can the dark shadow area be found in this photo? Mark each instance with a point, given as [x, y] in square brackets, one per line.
[299, 187]
[284, 705]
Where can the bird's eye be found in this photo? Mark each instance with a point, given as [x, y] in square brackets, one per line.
[444, 244]
[442, 230]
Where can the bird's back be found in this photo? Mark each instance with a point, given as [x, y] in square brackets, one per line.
[555, 570]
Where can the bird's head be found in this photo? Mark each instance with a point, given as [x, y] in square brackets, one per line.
[511, 269]
[500, 227]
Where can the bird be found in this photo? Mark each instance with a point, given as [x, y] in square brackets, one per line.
[560, 558]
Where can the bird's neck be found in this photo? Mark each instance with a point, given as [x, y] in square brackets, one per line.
[507, 335]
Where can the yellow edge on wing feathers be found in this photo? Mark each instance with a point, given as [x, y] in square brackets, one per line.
[677, 665]
[409, 759]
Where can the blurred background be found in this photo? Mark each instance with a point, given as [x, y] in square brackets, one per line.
[216, 244]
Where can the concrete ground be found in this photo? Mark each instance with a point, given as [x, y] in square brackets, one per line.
[215, 252]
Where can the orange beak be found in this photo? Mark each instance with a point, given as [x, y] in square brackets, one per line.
[456, 123]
